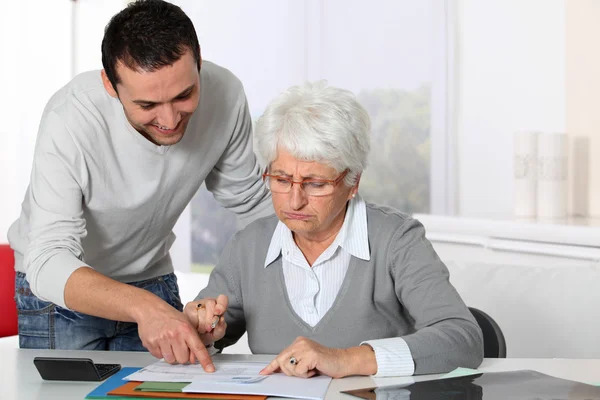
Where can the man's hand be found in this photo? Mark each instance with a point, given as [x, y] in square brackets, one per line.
[168, 334]
[310, 358]
[163, 330]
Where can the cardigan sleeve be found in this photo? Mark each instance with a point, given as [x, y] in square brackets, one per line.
[447, 336]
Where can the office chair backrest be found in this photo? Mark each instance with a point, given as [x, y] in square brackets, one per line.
[8, 308]
[494, 345]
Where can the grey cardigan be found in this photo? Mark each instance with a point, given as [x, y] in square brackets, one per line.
[402, 291]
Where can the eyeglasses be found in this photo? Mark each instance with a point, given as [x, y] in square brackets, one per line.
[310, 186]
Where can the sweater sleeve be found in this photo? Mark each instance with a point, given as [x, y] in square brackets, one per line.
[236, 180]
[225, 279]
[57, 226]
[447, 336]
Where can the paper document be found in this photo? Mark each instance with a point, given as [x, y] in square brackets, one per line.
[278, 385]
[164, 372]
[238, 379]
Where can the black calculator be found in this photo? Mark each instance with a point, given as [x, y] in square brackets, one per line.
[73, 369]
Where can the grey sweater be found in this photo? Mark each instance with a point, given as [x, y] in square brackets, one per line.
[403, 291]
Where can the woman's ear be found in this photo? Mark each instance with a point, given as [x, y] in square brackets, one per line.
[357, 181]
[354, 190]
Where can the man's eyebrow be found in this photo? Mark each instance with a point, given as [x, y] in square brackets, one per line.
[149, 102]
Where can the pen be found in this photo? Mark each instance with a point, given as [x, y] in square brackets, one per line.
[215, 318]
[215, 321]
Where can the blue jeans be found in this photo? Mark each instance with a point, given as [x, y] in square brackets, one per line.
[44, 325]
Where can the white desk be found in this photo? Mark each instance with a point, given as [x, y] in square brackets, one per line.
[20, 380]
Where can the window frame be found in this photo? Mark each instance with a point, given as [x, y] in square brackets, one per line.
[444, 121]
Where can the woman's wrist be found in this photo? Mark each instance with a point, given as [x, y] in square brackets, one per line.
[363, 360]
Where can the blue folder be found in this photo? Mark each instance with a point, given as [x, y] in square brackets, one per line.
[115, 381]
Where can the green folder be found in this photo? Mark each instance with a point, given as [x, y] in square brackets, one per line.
[171, 387]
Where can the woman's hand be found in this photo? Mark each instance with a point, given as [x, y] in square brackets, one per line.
[207, 317]
[311, 358]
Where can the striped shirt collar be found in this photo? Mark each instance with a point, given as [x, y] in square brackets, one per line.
[352, 237]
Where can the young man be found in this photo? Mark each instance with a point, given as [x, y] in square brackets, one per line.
[119, 154]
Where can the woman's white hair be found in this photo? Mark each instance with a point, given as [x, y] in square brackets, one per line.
[316, 122]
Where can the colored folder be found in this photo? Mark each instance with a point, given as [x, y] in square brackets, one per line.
[128, 390]
[111, 383]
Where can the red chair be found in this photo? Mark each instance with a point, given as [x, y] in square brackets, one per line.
[8, 309]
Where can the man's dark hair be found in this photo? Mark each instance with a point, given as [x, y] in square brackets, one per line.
[147, 34]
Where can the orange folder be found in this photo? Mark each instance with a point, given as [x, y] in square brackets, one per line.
[128, 389]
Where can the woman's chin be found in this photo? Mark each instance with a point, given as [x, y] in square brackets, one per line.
[299, 226]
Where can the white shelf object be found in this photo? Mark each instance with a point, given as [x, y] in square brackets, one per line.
[568, 242]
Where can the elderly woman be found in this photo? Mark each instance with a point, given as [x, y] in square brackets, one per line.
[332, 284]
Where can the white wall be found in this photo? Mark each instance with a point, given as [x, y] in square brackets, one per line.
[36, 60]
[511, 62]
[35, 51]
[583, 100]
[267, 57]
[92, 16]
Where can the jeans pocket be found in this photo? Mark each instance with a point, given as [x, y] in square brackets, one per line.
[27, 302]
[36, 317]
[36, 331]
[36, 324]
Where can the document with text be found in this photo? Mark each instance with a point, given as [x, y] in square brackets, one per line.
[162, 371]
[234, 377]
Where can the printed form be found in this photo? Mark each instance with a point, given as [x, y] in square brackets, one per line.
[162, 371]
[234, 377]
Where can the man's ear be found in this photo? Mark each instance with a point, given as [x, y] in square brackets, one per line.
[108, 86]
[199, 59]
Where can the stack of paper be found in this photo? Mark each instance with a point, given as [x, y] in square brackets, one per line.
[232, 380]
[278, 385]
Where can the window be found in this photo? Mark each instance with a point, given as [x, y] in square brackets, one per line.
[391, 54]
